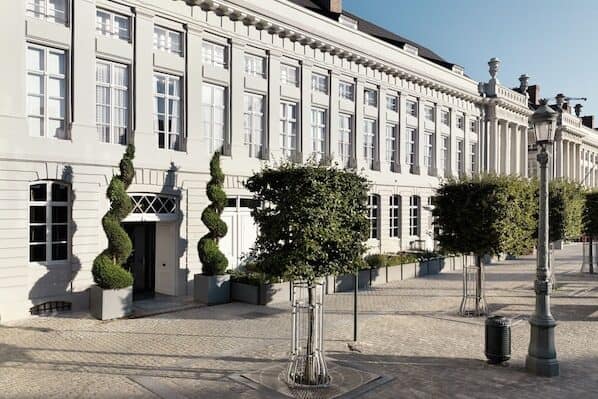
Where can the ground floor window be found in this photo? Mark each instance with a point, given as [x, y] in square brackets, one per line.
[374, 215]
[49, 215]
[414, 214]
[395, 215]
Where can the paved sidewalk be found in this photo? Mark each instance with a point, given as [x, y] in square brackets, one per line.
[408, 331]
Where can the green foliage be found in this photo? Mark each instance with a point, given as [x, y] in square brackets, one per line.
[486, 215]
[213, 260]
[254, 278]
[107, 269]
[590, 214]
[377, 261]
[566, 205]
[313, 222]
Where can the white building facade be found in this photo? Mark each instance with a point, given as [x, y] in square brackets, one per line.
[259, 80]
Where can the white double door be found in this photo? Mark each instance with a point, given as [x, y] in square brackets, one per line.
[240, 237]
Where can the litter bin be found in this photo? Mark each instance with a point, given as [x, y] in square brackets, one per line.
[498, 339]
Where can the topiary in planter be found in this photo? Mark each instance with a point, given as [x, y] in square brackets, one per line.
[107, 270]
[213, 260]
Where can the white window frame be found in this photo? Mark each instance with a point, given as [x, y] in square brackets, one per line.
[255, 139]
[414, 215]
[289, 75]
[48, 204]
[255, 65]
[41, 9]
[460, 155]
[474, 156]
[345, 139]
[319, 133]
[394, 213]
[346, 90]
[445, 117]
[44, 97]
[370, 97]
[113, 110]
[460, 122]
[429, 150]
[429, 113]
[210, 54]
[110, 29]
[370, 141]
[411, 107]
[411, 146]
[163, 40]
[214, 142]
[169, 135]
[392, 102]
[373, 208]
[392, 141]
[473, 125]
[445, 156]
[319, 82]
[288, 128]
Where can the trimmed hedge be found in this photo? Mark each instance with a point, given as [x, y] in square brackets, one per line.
[566, 204]
[590, 214]
[213, 260]
[377, 261]
[107, 269]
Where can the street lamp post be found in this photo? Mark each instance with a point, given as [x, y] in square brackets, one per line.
[541, 359]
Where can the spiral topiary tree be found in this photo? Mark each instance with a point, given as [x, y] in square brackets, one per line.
[213, 260]
[107, 270]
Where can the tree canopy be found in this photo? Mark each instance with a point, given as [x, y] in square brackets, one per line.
[312, 221]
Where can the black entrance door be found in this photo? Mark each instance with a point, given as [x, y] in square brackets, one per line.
[142, 260]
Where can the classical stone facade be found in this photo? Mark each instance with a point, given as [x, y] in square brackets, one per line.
[262, 81]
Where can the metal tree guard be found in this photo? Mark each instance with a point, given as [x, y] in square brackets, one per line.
[589, 252]
[307, 367]
[474, 300]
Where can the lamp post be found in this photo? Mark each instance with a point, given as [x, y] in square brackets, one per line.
[541, 358]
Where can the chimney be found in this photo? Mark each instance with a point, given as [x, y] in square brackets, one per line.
[534, 94]
[333, 6]
[588, 121]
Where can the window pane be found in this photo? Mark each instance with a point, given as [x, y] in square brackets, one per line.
[37, 214]
[59, 251]
[37, 253]
[56, 63]
[35, 59]
[59, 232]
[59, 214]
[37, 233]
[37, 192]
[36, 128]
[35, 84]
[56, 129]
[59, 192]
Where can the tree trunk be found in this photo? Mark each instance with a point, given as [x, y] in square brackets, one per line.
[591, 256]
[479, 286]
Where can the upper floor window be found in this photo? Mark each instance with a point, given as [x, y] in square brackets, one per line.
[213, 105]
[346, 90]
[345, 139]
[49, 216]
[374, 215]
[168, 40]
[474, 157]
[429, 113]
[254, 124]
[394, 216]
[445, 118]
[319, 82]
[288, 128]
[429, 150]
[445, 159]
[112, 102]
[370, 97]
[46, 92]
[411, 108]
[369, 141]
[167, 111]
[48, 10]
[392, 103]
[460, 155]
[460, 122]
[214, 54]
[473, 125]
[289, 75]
[113, 25]
[255, 65]
[392, 133]
[411, 146]
[319, 131]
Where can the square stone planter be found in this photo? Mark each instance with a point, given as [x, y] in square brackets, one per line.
[262, 294]
[378, 276]
[110, 304]
[434, 266]
[211, 290]
[346, 282]
[410, 270]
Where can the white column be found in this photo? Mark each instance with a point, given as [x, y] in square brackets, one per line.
[146, 142]
[305, 126]
[466, 146]
[578, 172]
[359, 88]
[405, 237]
[380, 163]
[437, 141]
[558, 158]
[494, 147]
[506, 148]
[523, 155]
[334, 116]
[84, 73]
[515, 150]
[195, 136]
[453, 144]
[419, 162]
[273, 145]
[403, 134]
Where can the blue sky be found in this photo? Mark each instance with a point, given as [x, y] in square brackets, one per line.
[555, 42]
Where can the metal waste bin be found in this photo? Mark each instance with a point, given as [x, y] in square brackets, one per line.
[498, 339]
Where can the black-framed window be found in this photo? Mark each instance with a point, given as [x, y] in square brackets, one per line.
[414, 215]
[374, 215]
[395, 215]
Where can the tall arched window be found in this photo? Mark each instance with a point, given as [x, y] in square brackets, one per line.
[49, 217]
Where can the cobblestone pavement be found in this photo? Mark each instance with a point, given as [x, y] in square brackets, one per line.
[408, 331]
